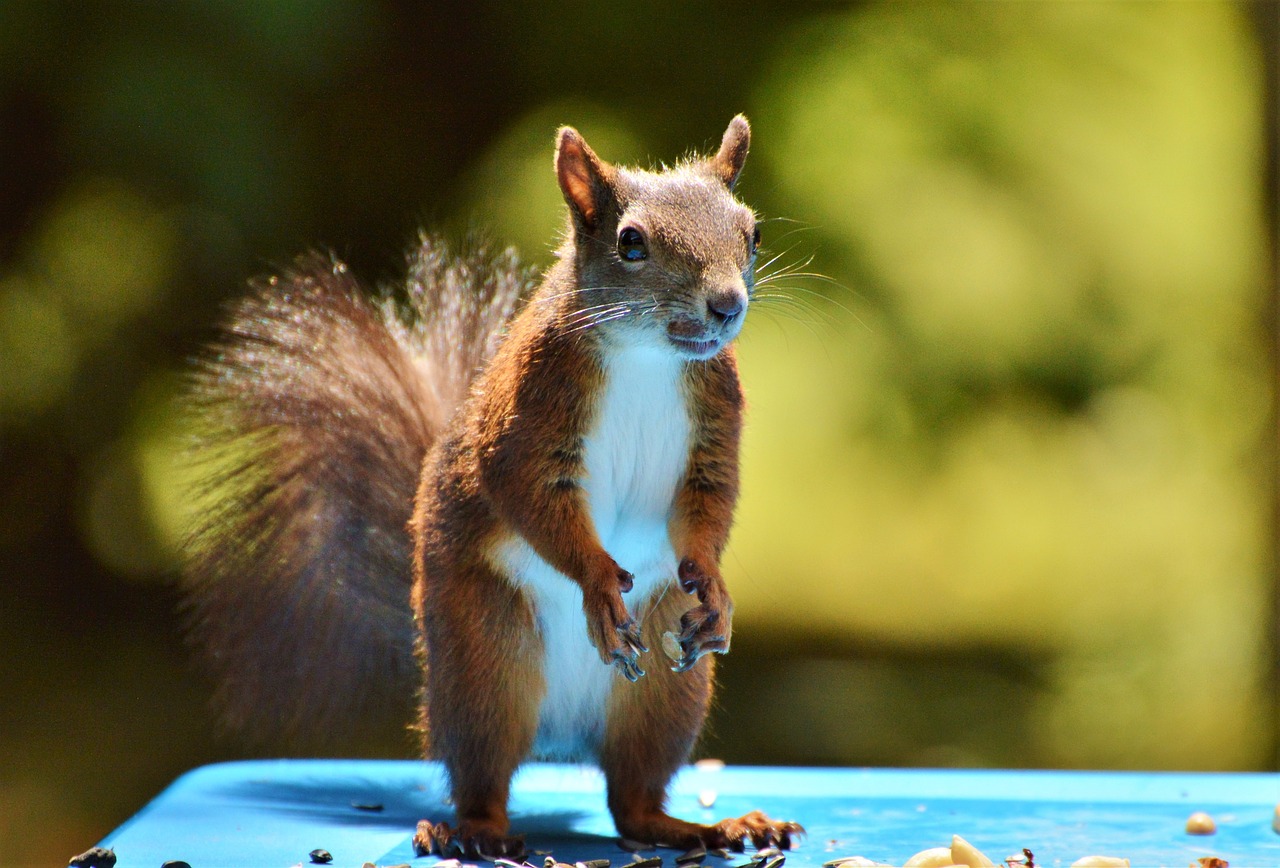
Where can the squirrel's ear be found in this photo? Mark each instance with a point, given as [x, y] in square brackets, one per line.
[727, 163]
[584, 178]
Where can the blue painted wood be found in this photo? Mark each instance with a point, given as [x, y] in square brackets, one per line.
[266, 813]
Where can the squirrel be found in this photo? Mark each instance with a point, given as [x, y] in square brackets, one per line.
[565, 455]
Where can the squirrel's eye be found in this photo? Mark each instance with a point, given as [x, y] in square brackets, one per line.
[631, 246]
[755, 239]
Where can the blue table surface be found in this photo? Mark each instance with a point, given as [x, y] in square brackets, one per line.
[274, 812]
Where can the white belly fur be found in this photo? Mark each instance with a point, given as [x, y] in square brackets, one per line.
[635, 457]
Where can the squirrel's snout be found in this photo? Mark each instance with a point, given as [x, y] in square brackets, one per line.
[701, 333]
[725, 305]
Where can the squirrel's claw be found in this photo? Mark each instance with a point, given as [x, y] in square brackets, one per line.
[705, 628]
[611, 628]
[695, 649]
[626, 658]
[469, 841]
[630, 633]
[629, 668]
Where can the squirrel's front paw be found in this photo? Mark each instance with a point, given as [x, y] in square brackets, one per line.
[612, 630]
[705, 628]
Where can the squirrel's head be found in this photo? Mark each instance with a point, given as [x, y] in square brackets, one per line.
[664, 257]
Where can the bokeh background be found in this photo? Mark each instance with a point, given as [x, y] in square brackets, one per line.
[1009, 473]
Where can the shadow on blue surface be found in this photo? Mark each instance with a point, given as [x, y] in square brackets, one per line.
[337, 803]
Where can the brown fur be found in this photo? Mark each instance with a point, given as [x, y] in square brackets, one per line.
[313, 416]
[327, 405]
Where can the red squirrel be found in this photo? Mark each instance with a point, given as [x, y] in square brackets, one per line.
[578, 455]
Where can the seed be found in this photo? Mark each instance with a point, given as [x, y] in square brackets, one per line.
[651, 862]
[633, 846]
[671, 646]
[1201, 823]
[595, 863]
[934, 857]
[176, 863]
[94, 857]
[697, 854]
[707, 798]
[852, 862]
[367, 806]
[1101, 862]
[964, 853]
[321, 857]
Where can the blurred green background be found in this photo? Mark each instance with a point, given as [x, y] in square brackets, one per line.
[1009, 473]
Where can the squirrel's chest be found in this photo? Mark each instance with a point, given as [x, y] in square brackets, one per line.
[637, 447]
[635, 454]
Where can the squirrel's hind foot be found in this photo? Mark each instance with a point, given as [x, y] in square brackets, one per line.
[469, 841]
[754, 828]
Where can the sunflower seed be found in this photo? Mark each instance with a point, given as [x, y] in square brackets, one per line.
[94, 857]
[697, 854]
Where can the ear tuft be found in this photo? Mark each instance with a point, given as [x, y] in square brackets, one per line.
[727, 162]
[584, 177]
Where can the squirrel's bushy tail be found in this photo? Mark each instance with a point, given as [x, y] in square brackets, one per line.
[313, 413]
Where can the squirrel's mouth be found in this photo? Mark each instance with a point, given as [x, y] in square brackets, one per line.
[696, 349]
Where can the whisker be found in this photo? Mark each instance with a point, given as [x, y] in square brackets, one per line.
[790, 268]
[776, 257]
[597, 321]
[595, 312]
[809, 325]
[802, 313]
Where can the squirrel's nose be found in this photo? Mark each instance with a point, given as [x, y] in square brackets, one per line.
[725, 305]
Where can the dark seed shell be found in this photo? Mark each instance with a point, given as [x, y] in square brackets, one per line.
[176, 863]
[651, 862]
[321, 857]
[95, 857]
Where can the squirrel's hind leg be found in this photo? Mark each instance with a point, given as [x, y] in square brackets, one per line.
[652, 726]
[483, 690]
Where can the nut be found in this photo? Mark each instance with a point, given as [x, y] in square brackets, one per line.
[934, 857]
[1201, 823]
[964, 853]
[671, 646]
